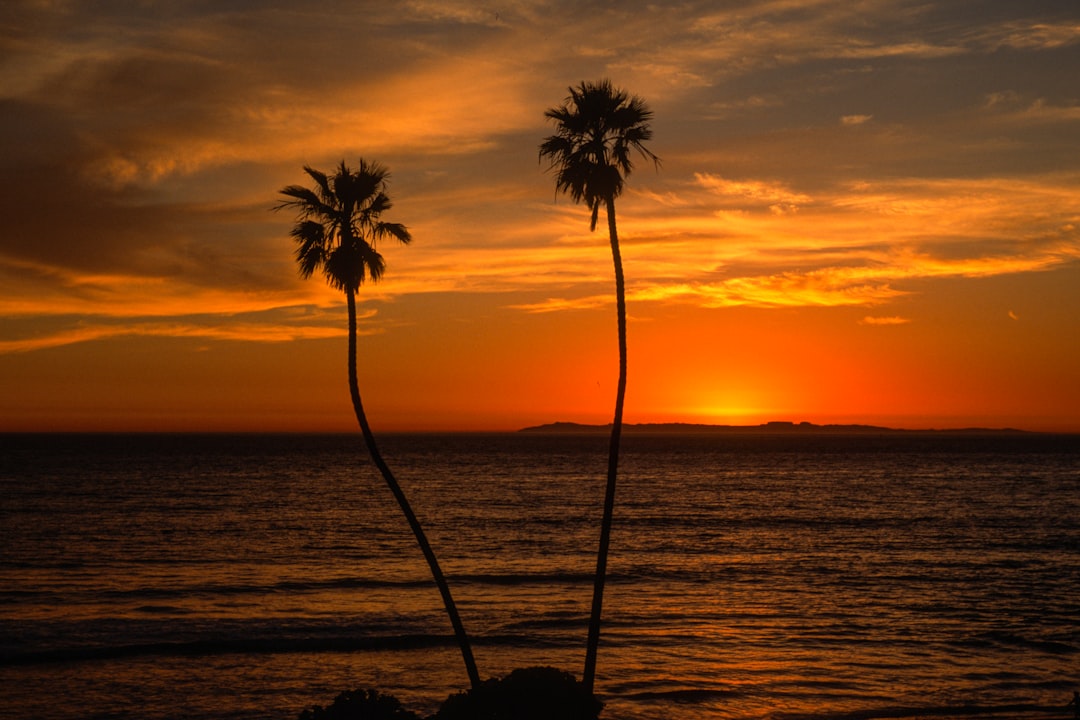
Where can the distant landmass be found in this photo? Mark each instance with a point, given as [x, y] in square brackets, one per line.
[777, 427]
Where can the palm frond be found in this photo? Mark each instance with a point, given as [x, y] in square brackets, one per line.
[310, 258]
[395, 230]
[302, 198]
[374, 263]
[322, 184]
[338, 222]
[590, 153]
[379, 204]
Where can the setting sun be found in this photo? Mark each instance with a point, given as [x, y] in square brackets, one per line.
[732, 415]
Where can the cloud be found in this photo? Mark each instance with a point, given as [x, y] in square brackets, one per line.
[855, 119]
[260, 332]
[1038, 36]
[861, 50]
[259, 324]
[560, 304]
[1042, 112]
[855, 244]
[831, 287]
[775, 195]
[876, 282]
[890, 320]
[465, 13]
[34, 289]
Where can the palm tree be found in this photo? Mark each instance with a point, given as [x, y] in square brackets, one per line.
[597, 127]
[338, 224]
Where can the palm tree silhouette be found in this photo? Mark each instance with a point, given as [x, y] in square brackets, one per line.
[338, 224]
[597, 127]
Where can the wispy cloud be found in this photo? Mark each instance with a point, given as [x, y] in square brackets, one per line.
[855, 119]
[242, 332]
[1038, 36]
[887, 320]
[560, 304]
[775, 195]
[822, 288]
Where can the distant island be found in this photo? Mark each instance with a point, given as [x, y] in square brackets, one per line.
[775, 427]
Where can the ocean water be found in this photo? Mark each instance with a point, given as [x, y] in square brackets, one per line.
[751, 576]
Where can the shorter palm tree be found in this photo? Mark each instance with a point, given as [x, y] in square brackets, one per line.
[338, 224]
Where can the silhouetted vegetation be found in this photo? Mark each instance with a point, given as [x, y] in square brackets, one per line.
[338, 224]
[597, 128]
[536, 693]
[361, 705]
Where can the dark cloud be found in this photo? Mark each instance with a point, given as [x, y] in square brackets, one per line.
[53, 213]
[58, 212]
[140, 88]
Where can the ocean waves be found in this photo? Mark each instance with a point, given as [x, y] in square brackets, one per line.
[233, 645]
[770, 581]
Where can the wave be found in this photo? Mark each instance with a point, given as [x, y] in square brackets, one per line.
[312, 586]
[526, 579]
[572, 621]
[1008, 639]
[944, 711]
[262, 646]
[285, 586]
[163, 610]
[687, 697]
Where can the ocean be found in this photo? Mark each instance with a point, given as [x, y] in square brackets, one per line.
[788, 575]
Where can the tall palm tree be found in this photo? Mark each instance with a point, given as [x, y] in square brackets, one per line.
[597, 127]
[338, 224]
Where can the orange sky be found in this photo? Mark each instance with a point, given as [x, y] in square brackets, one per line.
[866, 213]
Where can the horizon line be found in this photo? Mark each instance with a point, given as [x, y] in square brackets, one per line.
[571, 427]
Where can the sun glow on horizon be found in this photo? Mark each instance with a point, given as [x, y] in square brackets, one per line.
[732, 415]
[743, 404]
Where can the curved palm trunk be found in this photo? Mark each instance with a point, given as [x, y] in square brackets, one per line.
[399, 495]
[593, 643]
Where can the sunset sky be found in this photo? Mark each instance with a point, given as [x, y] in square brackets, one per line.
[867, 211]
